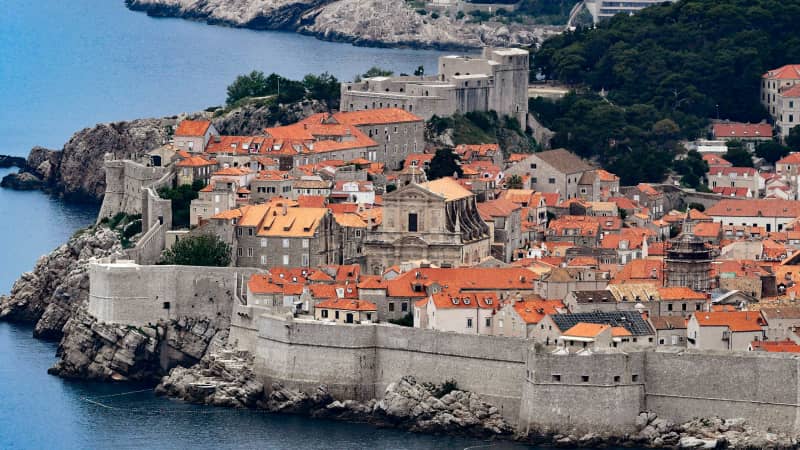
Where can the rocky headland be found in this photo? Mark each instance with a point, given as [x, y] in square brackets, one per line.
[76, 172]
[381, 23]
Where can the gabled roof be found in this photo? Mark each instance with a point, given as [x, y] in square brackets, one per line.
[736, 321]
[742, 130]
[347, 305]
[531, 311]
[376, 116]
[586, 330]
[716, 160]
[756, 208]
[793, 91]
[564, 161]
[497, 208]
[680, 293]
[448, 188]
[451, 300]
[791, 158]
[787, 72]
[668, 322]
[192, 128]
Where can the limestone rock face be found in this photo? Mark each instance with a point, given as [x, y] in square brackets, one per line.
[80, 174]
[384, 23]
[251, 119]
[22, 181]
[58, 284]
[108, 352]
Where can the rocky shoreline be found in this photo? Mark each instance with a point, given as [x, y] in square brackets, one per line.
[373, 23]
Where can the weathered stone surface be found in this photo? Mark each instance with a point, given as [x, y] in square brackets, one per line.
[22, 181]
[107, 352]
[385, 23]
[59, 284]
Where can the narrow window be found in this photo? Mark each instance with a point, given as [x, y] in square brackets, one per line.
[556, 378]
[412, 222]
[584, 378]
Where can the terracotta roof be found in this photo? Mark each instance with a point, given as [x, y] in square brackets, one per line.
[756, 207]
[349, 220]
[694, 214]
[372, 282]
[531, 311]
[311, 201]
[787, 346]
[793, 91]
[195, 161]
[620, 332]
[232, 171]
[497, 208]
[737, 171]
[376, 116]
[736, 321]
[647, 189]
[742, 130]
[464, 278]
[453, 300]
[192, 128]
[583, 261]
[319, 275]
[709, 230]
[680, 293]
[787, 72]
[586, 330]
[447, 188]
[640, 270]
[347, 305]
[606, 176]
[715, 160]
[262, 284]
[623, 203]
[791, 158]
[419, 158]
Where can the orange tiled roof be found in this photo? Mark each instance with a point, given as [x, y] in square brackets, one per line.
[497, 208]
[715, 160]
[709, 230]
[586, 330]
[680, 293]
[787, 72]
[606, 176]
[262, 284]
[455, 300]
[376, 116]
[533, 310]
[463, 278]
[347, 305]
[742, 130]
[192, 128]
[640, 271]
[787, 346]
[756, 207]
[736, 321]
[195, 161]
[791, 158]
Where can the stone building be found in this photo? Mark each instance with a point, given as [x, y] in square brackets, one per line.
[497, 81]
[779, 94]
[194, 135]
[195, 168]
[688, 264]
[397, 132]
[553, 171]
[269, 184]
[506, 223]
[280, 233]
[436, 221]
[211, 200]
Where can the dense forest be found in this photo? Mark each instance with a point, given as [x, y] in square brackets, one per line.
[665, 72]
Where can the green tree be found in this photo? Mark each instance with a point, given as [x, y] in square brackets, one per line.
[376, 71]
[181, 198]
[324, 87]
[793, 139]
[692, 168]
[202, 250]
[738, 155]
[420, 71]
[771, 151]
[514, 182]
[445, 163]
[697, 206]
[253, 84]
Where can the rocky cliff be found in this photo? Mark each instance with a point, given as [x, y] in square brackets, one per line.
[76, 172]
[59, 284]
[106, 352]
[388, 23]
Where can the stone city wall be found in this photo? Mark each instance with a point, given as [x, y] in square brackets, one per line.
[130, 294]
[124, 182]
[360, 361]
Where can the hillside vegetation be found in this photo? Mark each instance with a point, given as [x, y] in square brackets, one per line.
[673, 65]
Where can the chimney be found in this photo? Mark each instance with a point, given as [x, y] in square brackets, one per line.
[284, 208]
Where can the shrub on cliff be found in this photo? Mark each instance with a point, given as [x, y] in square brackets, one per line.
[202, 250]
[323, 87]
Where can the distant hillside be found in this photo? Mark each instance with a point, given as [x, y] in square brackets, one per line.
[684, 62]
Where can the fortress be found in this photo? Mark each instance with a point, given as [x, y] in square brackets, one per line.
[496, 81]
[534, 389]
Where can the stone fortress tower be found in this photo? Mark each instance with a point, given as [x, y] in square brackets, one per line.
[498, 80]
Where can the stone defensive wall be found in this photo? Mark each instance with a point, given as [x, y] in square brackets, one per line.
[605, 392]
[126, 293]
[124, 182]
[360, 361]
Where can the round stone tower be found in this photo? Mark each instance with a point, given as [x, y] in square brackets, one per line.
[688, 263]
